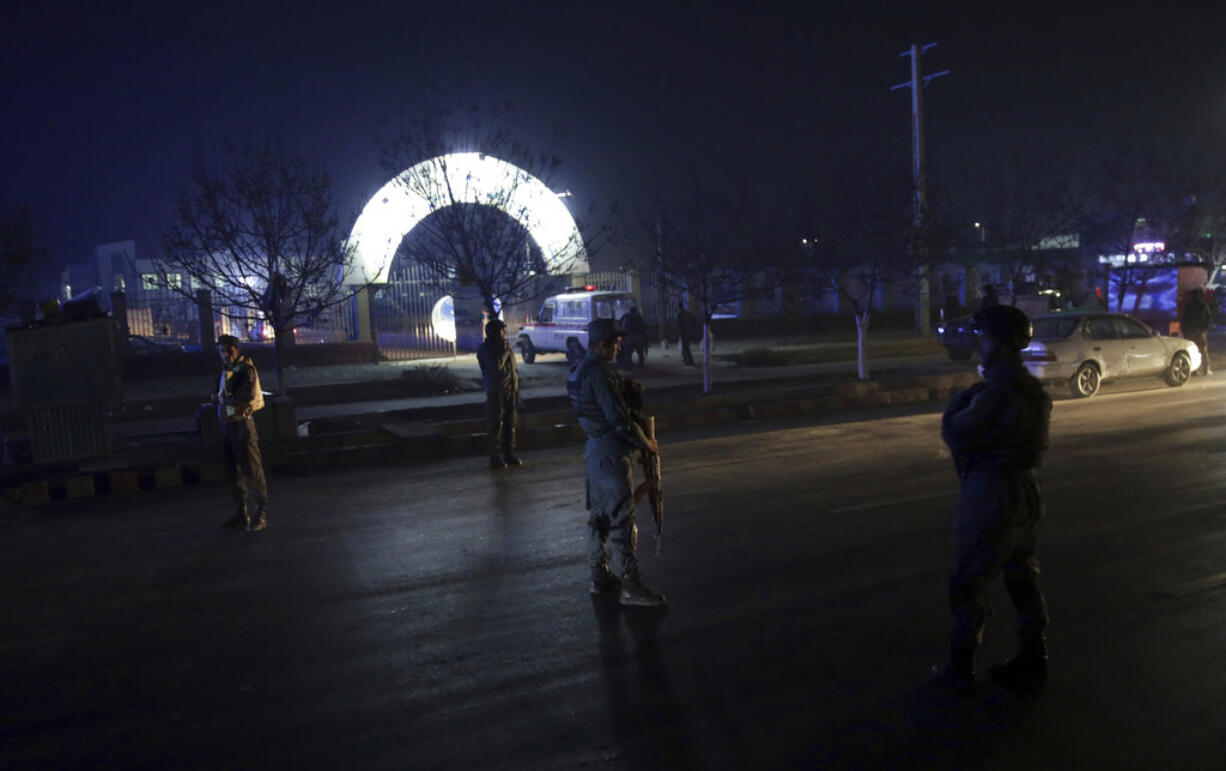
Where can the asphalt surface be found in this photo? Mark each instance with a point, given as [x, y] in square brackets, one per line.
[436, 616]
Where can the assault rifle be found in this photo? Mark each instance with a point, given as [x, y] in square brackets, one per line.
[652, 487]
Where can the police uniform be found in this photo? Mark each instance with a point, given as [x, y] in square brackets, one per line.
[596, 394]
[501, 379]
[239, 397]
[997, 432]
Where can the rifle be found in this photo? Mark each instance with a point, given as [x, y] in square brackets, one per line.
[632, 392]
[652, 487]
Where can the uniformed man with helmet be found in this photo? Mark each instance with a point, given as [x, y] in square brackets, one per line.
[997, 431]
[597, 397]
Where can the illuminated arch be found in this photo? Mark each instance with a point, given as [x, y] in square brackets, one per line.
[474, 178]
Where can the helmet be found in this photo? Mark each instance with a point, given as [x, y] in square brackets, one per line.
[600, 330]
[1006, 324]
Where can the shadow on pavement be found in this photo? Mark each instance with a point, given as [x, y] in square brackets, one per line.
[648, 723]
[926, 727]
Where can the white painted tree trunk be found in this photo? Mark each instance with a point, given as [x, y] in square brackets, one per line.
[862, 345]
[706, 357]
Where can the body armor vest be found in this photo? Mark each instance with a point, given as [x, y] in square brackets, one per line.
[591, 417]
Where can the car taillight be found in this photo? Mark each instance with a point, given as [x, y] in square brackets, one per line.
[1041, 354]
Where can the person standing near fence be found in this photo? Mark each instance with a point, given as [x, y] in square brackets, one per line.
[238, 399]
[501, 380]
[687, 328]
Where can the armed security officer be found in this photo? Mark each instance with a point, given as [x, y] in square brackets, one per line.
[238, 398]
[501, 378]
[596, 395]
[997, 431]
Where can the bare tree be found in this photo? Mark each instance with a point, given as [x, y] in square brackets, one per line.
[1019, 216]
[482, 187]
[260, 231]
[24, 264]
[708, 247]
[851, 240]
[1140, 194]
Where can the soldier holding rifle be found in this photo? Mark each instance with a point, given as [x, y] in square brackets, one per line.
[597, 396]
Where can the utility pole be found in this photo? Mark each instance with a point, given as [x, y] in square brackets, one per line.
[919, 180]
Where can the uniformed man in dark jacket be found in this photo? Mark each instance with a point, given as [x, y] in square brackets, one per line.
[997, 432]
[238, 398]
[635, 330]
[501, 379]
[597, 396]
[1194, 323]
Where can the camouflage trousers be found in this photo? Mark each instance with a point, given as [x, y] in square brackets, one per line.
[244, 464]
[995, 521]
[612, 532]
[500, 414]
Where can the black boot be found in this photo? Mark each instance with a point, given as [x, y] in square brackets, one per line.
[603, 579]
[238, 520]
[259, 523]
[511, 459]
[497, 463]
[957, 675]
[634, 592]
[1027, 671]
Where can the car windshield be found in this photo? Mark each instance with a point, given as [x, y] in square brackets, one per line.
[1053, 327]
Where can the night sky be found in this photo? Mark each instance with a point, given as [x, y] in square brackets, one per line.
[105, 104]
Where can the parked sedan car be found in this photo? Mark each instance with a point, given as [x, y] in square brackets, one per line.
[959, 338]
[1083, 350]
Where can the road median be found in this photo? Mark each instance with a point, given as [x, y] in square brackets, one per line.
[393, 439]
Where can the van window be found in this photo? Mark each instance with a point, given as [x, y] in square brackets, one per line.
[604, 309]
[622, 306]
[546, 313]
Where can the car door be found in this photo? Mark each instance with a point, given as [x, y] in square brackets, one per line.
[1144, 354]
[1106, 345]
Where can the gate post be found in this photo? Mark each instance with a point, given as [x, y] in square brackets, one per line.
[364, 309]
[204, 309]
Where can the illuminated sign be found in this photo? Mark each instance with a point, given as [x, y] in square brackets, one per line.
[461, 178]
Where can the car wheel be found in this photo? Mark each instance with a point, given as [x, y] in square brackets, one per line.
[1180, 370]
[574, 351]
[1085, 381]
[527, 350]
[958, 354]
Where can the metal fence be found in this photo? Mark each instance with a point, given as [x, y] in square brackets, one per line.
[413, 319]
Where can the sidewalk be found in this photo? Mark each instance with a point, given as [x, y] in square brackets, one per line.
[165, 451]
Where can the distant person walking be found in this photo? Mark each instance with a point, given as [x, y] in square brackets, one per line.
[1194, 323]
[238, 398]
[687, 329]
[501, 379]
[635, 329]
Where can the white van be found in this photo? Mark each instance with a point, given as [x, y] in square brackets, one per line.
[561, 324]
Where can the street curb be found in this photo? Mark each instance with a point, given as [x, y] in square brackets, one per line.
[464, 438]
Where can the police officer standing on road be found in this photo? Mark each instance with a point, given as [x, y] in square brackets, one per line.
[597, 397]
[501, 378]
[238, 398]
[997, 431]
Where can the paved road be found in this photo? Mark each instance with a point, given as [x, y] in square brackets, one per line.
[437, 616]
